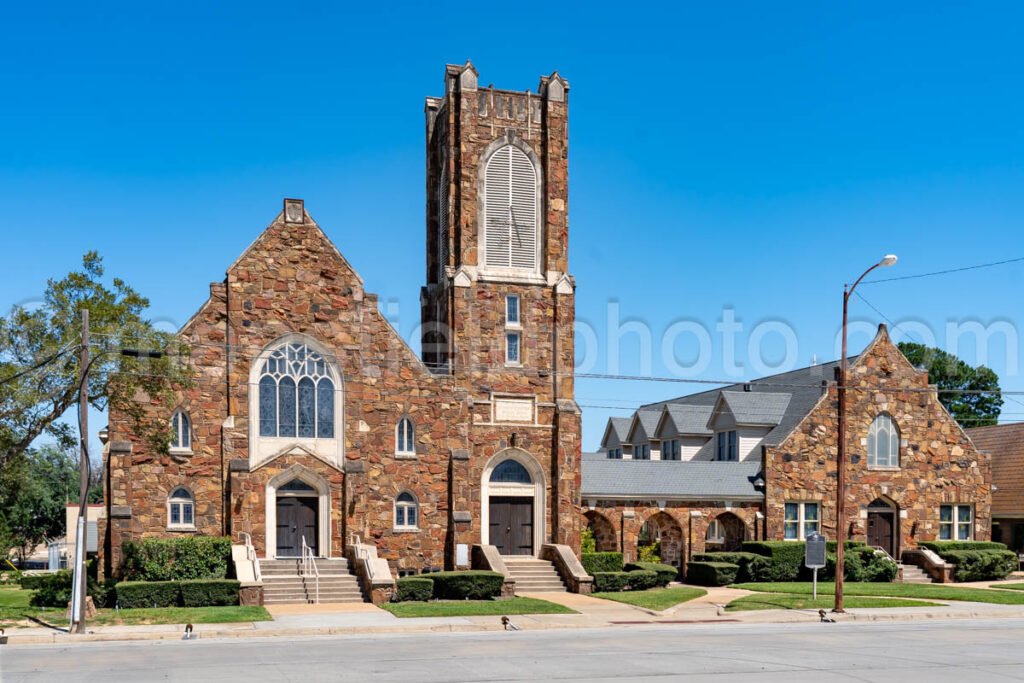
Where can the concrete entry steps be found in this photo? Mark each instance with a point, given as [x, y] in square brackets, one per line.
[914, 574]
[533, 575]
[284, 584]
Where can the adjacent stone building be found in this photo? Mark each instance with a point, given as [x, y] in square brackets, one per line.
[311, 423]
[758, 461]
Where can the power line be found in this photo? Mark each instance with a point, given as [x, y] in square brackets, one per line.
[944, 272]
[40, 364]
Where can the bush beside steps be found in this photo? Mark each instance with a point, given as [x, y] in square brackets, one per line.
[200, 593]
[463, 585]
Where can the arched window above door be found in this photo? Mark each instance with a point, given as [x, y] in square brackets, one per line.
[510, 472]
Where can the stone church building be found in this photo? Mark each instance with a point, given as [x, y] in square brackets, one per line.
[310, 421]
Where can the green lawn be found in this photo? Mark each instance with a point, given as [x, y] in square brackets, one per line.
[1010, 586]
[655, 598]
[791, 601]
[182, 615]
[927, 591]
[14, 608]
[472, 608]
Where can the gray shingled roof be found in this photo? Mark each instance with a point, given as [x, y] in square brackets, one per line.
[756, 408]
[620, 426]
[649, 421]
[604, 478]
[692, 420]
[804, 387]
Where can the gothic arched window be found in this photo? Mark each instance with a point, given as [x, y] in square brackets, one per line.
[884, 442]
[510, 210]
[296, 394]
[181, 431]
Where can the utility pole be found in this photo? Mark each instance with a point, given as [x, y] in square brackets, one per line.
[81, 541]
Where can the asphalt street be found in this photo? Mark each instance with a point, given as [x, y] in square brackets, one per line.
[881, 651]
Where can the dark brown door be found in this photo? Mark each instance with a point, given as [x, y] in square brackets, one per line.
[880, 530]
[511, 525]
[296, 517]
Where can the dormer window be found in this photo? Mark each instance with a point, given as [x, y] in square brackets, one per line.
[670, 449]
[727, 446]
[615, 454]
[642, 451]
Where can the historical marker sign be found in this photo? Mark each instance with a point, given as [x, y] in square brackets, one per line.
[814, 555]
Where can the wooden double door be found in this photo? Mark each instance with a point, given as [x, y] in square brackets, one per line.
[882, 530]
[297, 516]
[510, 524]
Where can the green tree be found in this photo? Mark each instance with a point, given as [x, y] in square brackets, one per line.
[34, 488]
[959, 384]
[32, 403]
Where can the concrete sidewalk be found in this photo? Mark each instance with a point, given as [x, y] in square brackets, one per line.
[358, 618]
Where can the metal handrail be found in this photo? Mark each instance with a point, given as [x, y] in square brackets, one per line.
[363, 553]
[251, 556]
[880, 549]
[309, 562]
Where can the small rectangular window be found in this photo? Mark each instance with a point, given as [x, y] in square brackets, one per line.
[175, 513]
[801, 520]
[512, 355]
[734, 452]
[512, 310]
[187, 513]
[955, 522]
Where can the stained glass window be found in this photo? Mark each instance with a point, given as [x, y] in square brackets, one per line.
[296, 394]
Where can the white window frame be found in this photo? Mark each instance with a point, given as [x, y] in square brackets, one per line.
[181, 427]
[404, 506]
[515, 323]
[727, 446]
[181, 503]
[894, 442]
[954, 525]
[517, 358]
[405, 444]
[716, 532]
[801, 519]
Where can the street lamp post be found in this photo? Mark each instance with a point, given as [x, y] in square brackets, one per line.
[888, 260]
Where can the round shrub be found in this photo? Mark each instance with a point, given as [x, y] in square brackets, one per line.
[665, 572]
[711, 573]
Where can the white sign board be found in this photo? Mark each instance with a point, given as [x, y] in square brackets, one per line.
[513, 410]
[461, 555]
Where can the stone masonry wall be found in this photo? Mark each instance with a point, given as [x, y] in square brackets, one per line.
[938, 463]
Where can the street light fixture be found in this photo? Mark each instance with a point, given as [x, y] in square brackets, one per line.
[887, 260]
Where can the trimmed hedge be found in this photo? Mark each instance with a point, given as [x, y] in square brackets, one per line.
[786, 561]
[209, 592]
[199, 593]
[711, 573]
[981, 565]
[467, 585]
[54, 590]
[418, 588]
[176, 559]
[943, 546]
[752, 567]
[614, 582]
[132, 594]
[601, 562]
[665, 573]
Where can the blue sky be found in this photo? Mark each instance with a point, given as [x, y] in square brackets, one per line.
[743, 157]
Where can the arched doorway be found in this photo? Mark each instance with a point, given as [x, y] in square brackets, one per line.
[605, 539]
[512, 503]
[882, 520]
[726, 532]
[298, 508]
[662, 530]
